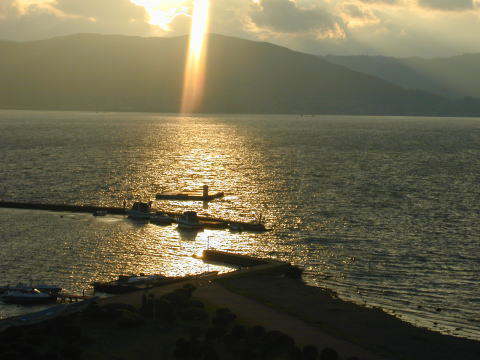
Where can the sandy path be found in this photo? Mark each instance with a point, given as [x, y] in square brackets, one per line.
[254, 312]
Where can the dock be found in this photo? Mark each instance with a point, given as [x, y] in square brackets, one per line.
[63, 207]
[209, 221]
[69, 298]
[188, 195]
[218, 256]
[246, 265]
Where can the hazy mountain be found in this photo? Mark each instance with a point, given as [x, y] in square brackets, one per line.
[100, 72]
[457, 76]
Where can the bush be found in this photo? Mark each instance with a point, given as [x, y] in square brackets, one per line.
[10, 355]
[190, 288]
[182, 349]
[72, 352]
[310, 352]
[223, 317]
[196, 303]
[193, 314]
[239, 331]
[179, 297]
[214, 333]
[328, 354]
[12, 334]
[257, 332]
[128, 319]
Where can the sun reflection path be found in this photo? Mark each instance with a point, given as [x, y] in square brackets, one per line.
[195, 66]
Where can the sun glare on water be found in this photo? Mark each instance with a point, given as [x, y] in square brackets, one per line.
[195, 66]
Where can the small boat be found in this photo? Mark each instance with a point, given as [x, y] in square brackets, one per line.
[27, 296]
[49, 289]
[126, 283]
[160, 218]
[140, 211]
[100, 213]
[253, 226]
[189, 221]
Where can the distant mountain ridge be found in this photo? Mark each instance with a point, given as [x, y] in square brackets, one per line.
[124, 73]
[455, 77]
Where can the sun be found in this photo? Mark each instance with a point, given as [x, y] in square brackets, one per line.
[162, 12]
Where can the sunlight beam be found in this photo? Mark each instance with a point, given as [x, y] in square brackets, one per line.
[195, 66]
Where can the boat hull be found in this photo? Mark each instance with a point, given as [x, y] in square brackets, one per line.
[191, 227]
[19, 300]
[138, 215]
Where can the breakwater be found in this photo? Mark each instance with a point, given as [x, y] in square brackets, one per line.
[63, 207]
[209, 221]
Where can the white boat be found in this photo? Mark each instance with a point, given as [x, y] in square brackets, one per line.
[140, 211]
[160, 218]
[51, 289]
[27, 296]
[189, 221]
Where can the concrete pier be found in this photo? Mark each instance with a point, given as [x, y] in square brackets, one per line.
[210, 222]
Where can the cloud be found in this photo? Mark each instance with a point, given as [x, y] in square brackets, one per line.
[388, 27]
[180, 25]
[285, 16]
[447, 5]
[104, 10]
[38, 21]
[388, 2]
[7, 8]
[356, 12]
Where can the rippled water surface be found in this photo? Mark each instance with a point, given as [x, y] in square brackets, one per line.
[383, 210]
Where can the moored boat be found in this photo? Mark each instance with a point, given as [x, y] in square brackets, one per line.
[50, 289]
[140, 211]
[160, 217]
[27, 297]
[126, 283]
[189, 221]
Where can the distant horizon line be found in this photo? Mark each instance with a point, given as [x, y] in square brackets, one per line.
[200, 114]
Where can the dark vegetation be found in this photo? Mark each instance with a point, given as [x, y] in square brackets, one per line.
[120, 73]
[174, 326]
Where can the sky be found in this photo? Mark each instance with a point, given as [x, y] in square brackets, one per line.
[428, 28]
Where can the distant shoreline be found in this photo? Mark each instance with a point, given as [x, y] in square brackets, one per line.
[178, 114]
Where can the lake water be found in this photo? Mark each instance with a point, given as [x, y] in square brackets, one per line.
[383, 210]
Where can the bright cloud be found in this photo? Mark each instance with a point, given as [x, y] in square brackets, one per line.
[390, 27]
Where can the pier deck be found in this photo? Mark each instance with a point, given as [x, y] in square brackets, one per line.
[72, 297]
[188, 195]
[210, 222]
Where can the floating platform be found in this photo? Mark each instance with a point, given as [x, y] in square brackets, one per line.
[189, 195]
[250, 264]
[218, 256]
